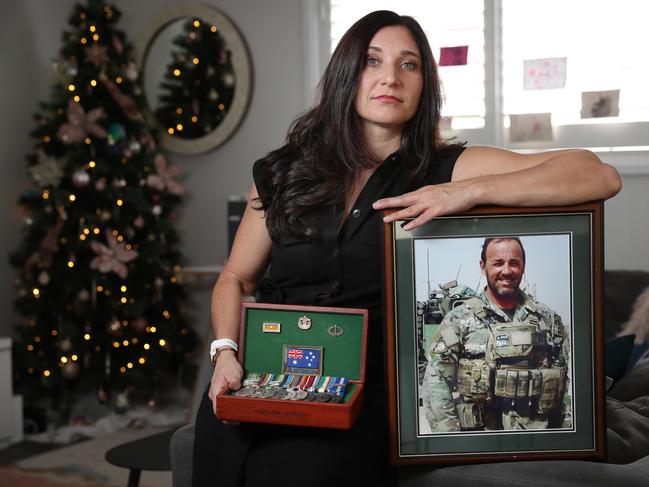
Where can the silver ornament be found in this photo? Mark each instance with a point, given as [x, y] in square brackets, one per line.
[228, 80]
[44, 278]
[156, 210]
[131, 71]
[80, 178]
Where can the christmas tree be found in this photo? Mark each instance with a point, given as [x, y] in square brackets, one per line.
[100, 301]
[198, 84]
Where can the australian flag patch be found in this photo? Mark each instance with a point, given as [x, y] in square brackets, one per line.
[303, 360]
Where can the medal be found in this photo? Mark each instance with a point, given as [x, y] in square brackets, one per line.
[244, 392]
[251, 380]
[321, 397]
[336, 398]
[299, 395]
[280, 394]
[267, 392]
[336, 388]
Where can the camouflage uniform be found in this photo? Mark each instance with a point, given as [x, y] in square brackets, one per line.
[490, 371]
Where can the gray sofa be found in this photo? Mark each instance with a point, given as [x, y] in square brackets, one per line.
[627, 414]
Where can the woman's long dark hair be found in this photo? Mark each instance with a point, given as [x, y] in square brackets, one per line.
[309, 176]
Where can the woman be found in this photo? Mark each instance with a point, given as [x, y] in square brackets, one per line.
[368, 144]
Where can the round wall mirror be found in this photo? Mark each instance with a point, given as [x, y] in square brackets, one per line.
[196, 77]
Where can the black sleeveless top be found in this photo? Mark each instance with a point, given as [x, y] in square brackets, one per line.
[344, 269]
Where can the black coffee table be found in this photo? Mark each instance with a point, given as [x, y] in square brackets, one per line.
[148, 453]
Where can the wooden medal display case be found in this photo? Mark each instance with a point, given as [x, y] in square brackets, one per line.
[342, 334]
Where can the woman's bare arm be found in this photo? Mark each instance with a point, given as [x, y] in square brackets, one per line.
[247, 262]
[488, 175]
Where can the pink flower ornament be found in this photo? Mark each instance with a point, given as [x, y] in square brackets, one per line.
[111, 258]
[80, 124]
[164, 179]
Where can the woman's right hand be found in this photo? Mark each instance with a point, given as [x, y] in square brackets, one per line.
[227, 375]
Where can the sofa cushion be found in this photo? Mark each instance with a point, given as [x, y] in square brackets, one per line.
[616, 355]
[635, 384]
[627, 429]
[558, 473]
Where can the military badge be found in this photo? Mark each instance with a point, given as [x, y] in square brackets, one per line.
[502, 340]
[304, 323]
[335, 331]
[272, 327]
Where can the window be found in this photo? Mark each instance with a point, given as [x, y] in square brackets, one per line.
[458, 23]
[591, 46]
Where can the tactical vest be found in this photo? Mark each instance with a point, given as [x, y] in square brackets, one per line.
[516, 366]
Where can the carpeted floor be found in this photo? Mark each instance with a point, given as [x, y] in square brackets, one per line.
[80, 465]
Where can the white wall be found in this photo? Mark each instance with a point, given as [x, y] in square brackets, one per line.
[30, 37]
[30, 33]
[273, 34]
[626, 224]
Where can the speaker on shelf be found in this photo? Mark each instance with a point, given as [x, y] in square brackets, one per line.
[236, 207]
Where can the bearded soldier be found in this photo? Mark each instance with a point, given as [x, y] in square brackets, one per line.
[499, 360]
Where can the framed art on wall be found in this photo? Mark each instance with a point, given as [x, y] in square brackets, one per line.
[494, 336]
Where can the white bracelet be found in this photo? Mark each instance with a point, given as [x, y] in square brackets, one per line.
[218, 345]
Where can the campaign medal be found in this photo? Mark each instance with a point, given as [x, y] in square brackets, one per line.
[304, 323]
[310, 396]
[280, 394]
[252, 379]
[321, 395]
[335, 398]
[244, 392]
[311, 388]
[268, 392]
[299, 395]
[336, 389]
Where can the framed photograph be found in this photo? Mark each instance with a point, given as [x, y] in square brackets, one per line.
[494, 336]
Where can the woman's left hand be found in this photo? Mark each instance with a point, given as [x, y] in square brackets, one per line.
[428, 202]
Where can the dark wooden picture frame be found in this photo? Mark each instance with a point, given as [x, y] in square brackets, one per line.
[564, 247]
